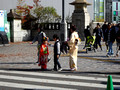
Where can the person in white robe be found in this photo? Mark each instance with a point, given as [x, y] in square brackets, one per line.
[73, 44]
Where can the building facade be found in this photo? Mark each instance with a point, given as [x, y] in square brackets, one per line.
[107, 10]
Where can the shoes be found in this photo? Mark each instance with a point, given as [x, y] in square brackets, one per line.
[60, 69]
[54, 69]
[73, 69]
[107, 55]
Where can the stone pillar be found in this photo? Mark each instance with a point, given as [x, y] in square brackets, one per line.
[80, 16]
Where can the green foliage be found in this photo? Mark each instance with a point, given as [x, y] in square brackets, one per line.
[46, 14]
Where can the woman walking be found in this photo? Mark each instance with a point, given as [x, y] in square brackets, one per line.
[73, 44]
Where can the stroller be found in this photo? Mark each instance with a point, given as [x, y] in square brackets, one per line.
[90, 43]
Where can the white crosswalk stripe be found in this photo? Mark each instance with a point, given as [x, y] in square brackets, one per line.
[26, 86]
[61, 79]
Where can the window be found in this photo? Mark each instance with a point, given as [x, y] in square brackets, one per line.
[119, 6]
[99, 10]
[116, 10]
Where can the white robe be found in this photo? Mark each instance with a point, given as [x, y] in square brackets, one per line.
[73, 50]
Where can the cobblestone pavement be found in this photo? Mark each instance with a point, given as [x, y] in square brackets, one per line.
[23, 56]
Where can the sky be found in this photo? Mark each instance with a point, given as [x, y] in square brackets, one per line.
[57, 4]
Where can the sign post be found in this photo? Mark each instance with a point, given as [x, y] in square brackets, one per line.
[4, 24]
[1, 20]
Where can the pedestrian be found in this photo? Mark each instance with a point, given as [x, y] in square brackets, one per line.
[39, 37]
[73, 44]
[110, 39]
[104, 30]
[86, 34]
[99, 34]
[43, 54]
[118, 41]
[1, 39]
[57, 52]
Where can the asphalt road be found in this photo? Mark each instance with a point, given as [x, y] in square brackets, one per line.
[18, 70]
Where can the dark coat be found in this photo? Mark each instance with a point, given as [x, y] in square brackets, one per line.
[118, 35]
[104, 27]
[112, 35]
[87, 32]
[98, 32]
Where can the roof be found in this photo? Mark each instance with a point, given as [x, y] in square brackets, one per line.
[11, 14]
[80, 2]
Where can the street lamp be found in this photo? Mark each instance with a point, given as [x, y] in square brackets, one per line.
[63, 33]
[63, 10]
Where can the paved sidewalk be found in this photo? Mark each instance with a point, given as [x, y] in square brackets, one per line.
[23, 56]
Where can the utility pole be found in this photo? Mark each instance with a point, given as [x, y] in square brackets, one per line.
[63, 34]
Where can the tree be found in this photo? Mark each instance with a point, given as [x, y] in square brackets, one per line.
[46, 14]
[23, 10]
[36, 3]
[21, 2]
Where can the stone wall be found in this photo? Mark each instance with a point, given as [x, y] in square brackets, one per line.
[16, 31]
[17, 34]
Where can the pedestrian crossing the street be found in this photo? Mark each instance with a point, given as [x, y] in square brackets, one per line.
[54, 80]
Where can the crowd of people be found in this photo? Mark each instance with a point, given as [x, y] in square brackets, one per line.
[43, 51]
[109, 33]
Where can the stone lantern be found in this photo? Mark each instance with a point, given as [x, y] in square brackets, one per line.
[80, 16]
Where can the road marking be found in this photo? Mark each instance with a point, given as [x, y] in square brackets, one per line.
[62, 82]
[28, 86]
[59, 76]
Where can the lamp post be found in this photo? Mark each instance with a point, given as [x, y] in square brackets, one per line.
[63, 34]
[63, 10]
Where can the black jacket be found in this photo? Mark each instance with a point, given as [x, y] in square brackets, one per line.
[112, 35]
[98, 32]
[118, 35]
[104, 27]
[87, 32]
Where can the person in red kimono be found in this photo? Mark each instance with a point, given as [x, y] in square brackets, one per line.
[43, 55]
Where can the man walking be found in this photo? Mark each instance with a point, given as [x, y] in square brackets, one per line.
[39, 38]
[104, 29]
[99, 35]
[110, 39]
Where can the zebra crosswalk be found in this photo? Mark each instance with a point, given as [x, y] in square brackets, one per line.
[54, 80]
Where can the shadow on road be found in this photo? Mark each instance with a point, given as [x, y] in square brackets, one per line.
[18, 63]
[64, 71]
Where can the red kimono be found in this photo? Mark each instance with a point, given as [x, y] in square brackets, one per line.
[43, 57]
